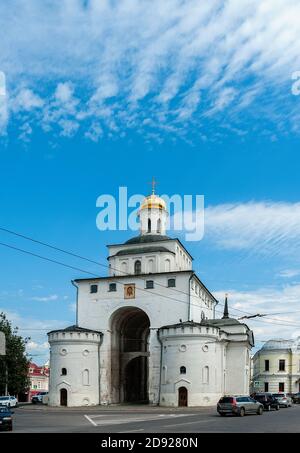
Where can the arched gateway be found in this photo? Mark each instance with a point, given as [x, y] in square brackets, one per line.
[130, 327]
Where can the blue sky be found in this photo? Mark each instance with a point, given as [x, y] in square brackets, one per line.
[107, 94]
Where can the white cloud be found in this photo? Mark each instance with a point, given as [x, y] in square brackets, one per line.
[263, 227]
[64, 92]
[52, 297]
[36, 347]
[26, 100]
[3, 104]
[36, 330]
[281, 305]
[289, 273]
[171, 62]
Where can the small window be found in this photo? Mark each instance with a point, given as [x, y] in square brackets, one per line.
[138, 267]
[281, 386]
[182, 370]
[112, 287]
[86, 377]
[149, 284]
[149, 226]
[266, 386]
[158, 226]
[94, 289]
[64, 371]
[171, 282]
[281, 365]
[267, 366]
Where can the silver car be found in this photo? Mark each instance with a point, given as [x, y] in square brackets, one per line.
[239, 405]
[283, 399]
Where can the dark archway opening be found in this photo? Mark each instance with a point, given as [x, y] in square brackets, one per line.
[129, 355]
[182, 397]
[136, 381]
[63, 397]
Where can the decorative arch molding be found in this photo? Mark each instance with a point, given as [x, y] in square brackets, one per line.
[63, 384]
[180, 382]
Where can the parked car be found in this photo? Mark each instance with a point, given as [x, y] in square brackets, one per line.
[283, 399]
[38, 397]
[6, 421]
[9, 401]
[239, 405]
[267, 400]
[296, 398]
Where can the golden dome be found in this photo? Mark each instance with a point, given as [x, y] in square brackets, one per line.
[153, 201]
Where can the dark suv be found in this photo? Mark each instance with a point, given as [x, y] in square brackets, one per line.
[267, 400]
[296, 398]
[6, 418]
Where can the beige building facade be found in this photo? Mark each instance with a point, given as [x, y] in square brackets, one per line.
[276, 367]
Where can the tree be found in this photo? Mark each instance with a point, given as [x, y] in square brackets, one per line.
[14, 365]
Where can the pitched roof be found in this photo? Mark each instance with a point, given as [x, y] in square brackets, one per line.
[75, 328]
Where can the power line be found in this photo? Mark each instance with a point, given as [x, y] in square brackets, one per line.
[107, 267]
[95, 262]
[46, 259]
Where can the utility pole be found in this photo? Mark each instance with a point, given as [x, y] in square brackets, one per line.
[6, 379]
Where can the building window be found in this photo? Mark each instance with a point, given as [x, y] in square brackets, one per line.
[86, 377]
[158, 226]
[64, 371]
[281, 386]
[167, 265]
[171, 282]
[205, 375]
[93, 289]
[267, 365]
[281, 365]
[165, 370]
[149, 226]
[266, 386]
[182, 370]
[151, 266]
[124, 267]
[137, 267]
[149, 284]
[112, 287]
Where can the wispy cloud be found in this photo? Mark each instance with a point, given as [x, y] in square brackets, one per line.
[49, 298]
[289, 273]
[282, 305]
[35, 329]
[103, 66]
[261, 227]
[3, 104]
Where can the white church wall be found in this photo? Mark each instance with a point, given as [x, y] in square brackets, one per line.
[237, 368]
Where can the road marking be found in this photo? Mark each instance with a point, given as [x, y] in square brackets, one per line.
[188, 423]
[131, 431]
[90, 420]
[129, 419]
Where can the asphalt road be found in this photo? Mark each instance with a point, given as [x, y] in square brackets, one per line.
[150, 420]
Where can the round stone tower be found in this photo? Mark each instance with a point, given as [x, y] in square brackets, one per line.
[191, 374]
[74, 367]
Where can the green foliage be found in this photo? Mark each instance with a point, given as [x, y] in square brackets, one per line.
[15, 361]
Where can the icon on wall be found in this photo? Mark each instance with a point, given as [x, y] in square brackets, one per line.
[129, 291]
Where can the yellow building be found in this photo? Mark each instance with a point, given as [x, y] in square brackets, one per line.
[276, 367]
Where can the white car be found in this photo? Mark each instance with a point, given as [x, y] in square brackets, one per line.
[8, 401]
[283, 399]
